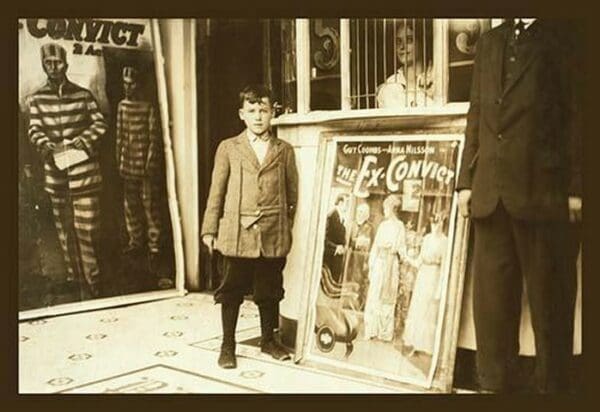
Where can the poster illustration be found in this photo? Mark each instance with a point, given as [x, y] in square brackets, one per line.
[93, 215]
[388, 209]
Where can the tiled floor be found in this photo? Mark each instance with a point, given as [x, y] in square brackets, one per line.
[168, 346]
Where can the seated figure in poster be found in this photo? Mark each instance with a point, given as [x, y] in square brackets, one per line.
[66, 126]
[138, 160]
[412, 83]
[361, 238]
[421, 321]
[389, 249]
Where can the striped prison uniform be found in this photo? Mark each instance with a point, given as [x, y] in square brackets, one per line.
[56, 114]
[139, 158]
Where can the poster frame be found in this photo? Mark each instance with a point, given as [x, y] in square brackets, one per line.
[173, 206]
[440, 379]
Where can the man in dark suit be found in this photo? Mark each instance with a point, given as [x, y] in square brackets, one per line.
[520, 181]
[335, 238]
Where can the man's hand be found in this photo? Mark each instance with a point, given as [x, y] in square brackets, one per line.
[339, 250]
[209, 241]
[464, 202]
[575, 208]
[48, 150]
[50, 146]
[78, 143]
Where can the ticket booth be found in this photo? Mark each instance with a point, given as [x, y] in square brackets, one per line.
[365, 84]
[375, 110]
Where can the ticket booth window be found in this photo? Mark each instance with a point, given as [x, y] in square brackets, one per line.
[391, 63]
[386, 63]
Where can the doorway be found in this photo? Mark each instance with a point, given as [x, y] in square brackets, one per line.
[231, 53]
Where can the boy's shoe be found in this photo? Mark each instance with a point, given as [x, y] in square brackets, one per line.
[227, 358]
[274, 349]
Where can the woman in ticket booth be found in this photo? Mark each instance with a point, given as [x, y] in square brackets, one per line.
[411, 84]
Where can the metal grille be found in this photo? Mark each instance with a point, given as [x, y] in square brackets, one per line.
[288, 66]
[391, 63]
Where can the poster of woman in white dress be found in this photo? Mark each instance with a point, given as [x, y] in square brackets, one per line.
[383, 313]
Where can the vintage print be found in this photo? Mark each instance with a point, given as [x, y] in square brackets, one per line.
[387, 241]
[93, 218]
[365, 204]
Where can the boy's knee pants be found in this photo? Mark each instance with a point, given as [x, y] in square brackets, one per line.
[260, 276]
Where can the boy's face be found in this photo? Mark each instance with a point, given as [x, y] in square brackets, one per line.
[257, 116]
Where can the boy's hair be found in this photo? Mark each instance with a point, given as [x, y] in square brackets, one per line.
[254, 93]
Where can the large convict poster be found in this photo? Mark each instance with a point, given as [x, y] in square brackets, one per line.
[93, 215]
[385, 233]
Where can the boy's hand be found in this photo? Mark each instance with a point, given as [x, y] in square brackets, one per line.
[209, 241]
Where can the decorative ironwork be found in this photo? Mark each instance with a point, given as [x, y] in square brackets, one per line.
[466, 40]
[328, 56]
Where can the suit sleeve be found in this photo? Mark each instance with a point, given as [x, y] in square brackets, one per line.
[471, 149]
[291, 184]
[574, 121]
[330, 245]
[216, 194]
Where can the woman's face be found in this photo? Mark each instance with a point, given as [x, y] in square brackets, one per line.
[388, 209]
[405, 45]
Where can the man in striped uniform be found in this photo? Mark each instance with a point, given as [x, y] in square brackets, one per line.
[139, 159]
[63, 114]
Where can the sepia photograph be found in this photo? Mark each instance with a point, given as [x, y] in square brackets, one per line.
[300, 205]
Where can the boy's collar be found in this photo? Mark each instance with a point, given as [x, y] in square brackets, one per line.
[253, 137]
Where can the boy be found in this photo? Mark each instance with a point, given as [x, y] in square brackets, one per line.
[249, 216]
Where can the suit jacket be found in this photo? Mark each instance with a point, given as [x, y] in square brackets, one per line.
[250, 206]
[335, 235]
[523, 140]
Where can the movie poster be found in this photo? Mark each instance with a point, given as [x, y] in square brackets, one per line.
[386, 228]
[93, 215]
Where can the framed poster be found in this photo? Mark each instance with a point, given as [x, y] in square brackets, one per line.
[383, 299]
[98, 222]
